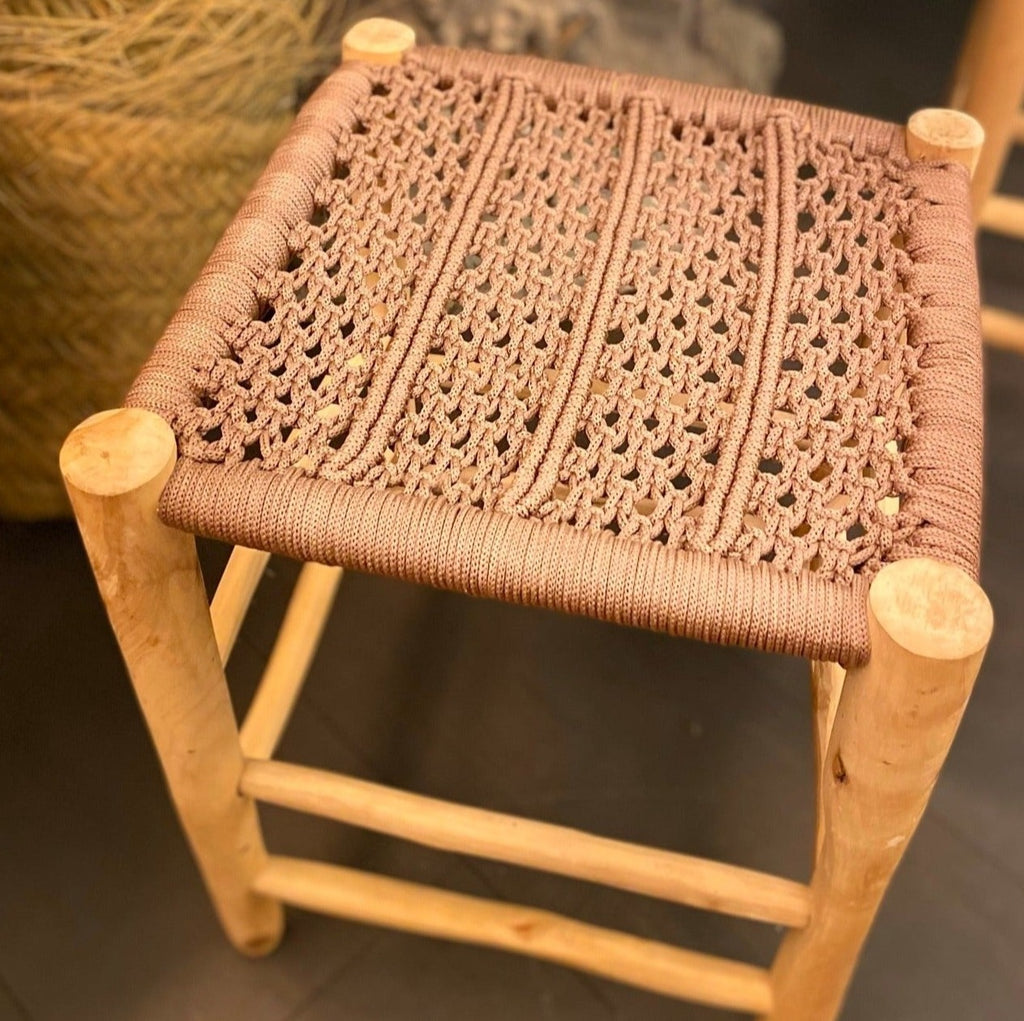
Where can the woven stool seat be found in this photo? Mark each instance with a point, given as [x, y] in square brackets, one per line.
[673, 356]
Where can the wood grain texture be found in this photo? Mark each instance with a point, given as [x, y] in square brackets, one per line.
[989, 85]
[698, 882]
[377, 900]
[115, 466]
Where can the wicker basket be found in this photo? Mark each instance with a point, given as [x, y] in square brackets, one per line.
[129, 133]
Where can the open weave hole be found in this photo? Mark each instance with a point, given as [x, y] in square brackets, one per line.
[707, 324]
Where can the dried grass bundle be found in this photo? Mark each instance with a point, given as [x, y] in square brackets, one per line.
[129, 133]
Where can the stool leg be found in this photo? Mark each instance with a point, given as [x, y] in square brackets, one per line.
[115, 466]
[897, 715]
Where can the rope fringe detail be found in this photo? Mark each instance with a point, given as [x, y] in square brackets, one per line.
[667, 355]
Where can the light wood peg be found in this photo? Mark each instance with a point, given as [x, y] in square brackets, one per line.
[377, 41]
[945, 135]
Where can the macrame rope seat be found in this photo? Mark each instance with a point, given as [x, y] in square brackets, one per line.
[672, 356]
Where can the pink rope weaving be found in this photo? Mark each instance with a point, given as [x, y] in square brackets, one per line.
[673, 356]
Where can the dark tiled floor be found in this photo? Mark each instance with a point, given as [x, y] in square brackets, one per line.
[625, 733]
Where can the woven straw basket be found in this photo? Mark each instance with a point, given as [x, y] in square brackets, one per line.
[129, 133]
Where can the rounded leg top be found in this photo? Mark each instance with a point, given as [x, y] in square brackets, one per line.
[937, 134]
[931, 609]
[113, 453]
[377, 41]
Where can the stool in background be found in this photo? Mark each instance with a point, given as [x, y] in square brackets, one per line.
[989, 85]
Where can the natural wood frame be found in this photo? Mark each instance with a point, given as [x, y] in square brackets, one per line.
[882, 731]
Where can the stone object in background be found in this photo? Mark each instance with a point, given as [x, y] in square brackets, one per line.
[718, 42]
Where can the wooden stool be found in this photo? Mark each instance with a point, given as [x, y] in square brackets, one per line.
[673, 356]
